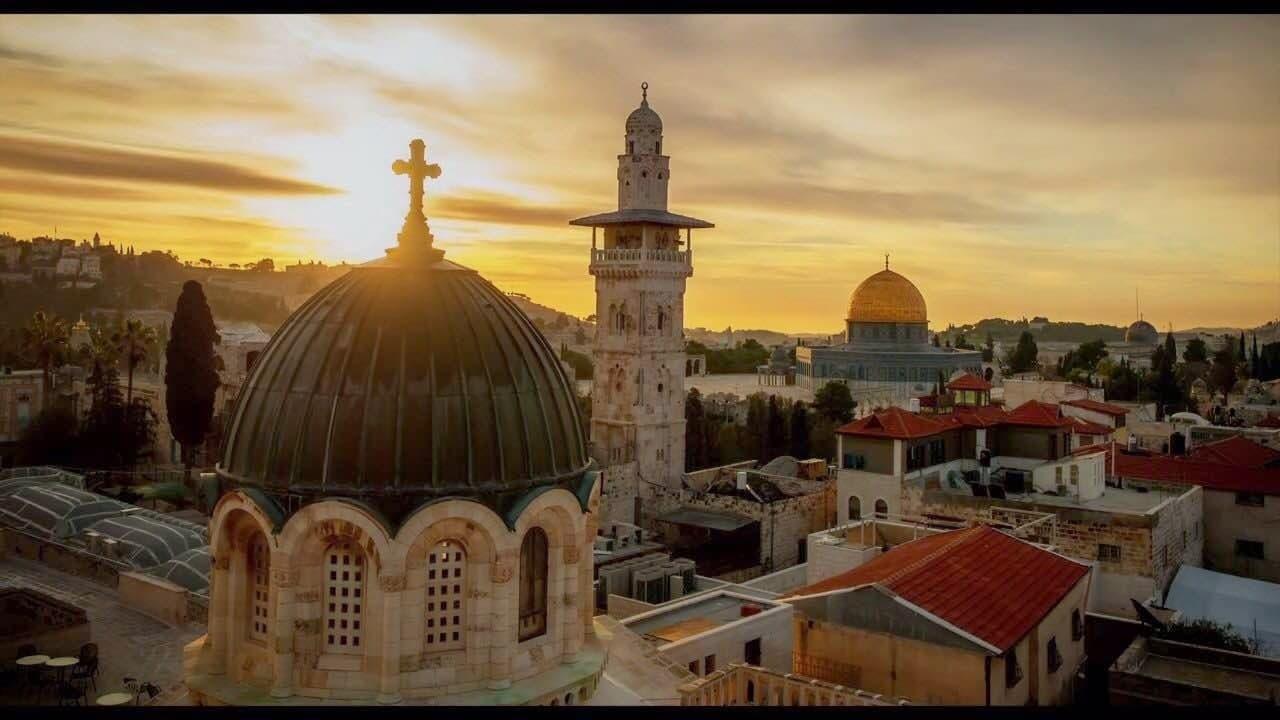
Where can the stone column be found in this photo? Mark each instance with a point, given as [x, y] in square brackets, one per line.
[219, 612]
[505, 618]
[572, 639]
[389, 670]
[283, 581]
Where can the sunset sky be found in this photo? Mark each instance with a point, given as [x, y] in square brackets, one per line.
[1010, 165]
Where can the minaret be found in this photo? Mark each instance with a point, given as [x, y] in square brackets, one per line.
[640, 263]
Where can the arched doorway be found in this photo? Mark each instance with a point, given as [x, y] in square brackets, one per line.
[855, 508]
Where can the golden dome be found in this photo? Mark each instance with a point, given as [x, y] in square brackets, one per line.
[887, 297]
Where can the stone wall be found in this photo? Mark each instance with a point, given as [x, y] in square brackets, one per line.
[61, 557]
[747, 685]
[618, 487]
[55, 627]
[155, 597]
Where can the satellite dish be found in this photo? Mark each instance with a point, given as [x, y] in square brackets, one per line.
[1145, 615]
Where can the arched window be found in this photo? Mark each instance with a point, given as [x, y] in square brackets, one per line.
[657, 147]
[751, 692]
[533, 584]
[259, 567]
[631, 147]
[639, 399]
[882, 508]
[344, 597]
[662, 322]
[855, 508]
[446, 597]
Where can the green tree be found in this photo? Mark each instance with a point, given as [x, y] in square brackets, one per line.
[798, 436]
[45, 340]
[775, 430]
[695, 432]
[136, 342]
[962, 343]
[579, 336]
[49, 439]
[822, 440]
[1207, 633]
[1222, 373]
[729, 441]
[581, 364]
[1195, 351]
[834, 402]
[191, 382]
[757, 429]
[989, 350]
[1023, 357]
[936, 341]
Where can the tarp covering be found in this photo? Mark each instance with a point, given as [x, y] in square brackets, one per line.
[723, 522]
[1251, 607]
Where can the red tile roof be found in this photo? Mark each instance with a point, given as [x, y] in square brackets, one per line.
[1084, 427]
[968, 381]
[897, 424]
[1034, 413]
[986, 583]
[1192, 471]
[1097, 406]
[1237, 451]
[1270, 421]
[981, 416]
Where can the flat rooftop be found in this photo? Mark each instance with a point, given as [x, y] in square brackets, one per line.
[688, 619]
[1113, 499]
[129, 643]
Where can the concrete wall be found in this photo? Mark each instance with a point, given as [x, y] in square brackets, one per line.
[867, 487]
[62, 557]
[881, 662]
[877, 451]
[781, 581]
[621, 608]
[155, 597]
[1225, 522]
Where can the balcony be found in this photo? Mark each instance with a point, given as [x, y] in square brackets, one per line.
[635, 260]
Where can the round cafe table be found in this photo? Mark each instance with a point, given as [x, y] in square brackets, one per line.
[33, 663]
[33, 660]
[61, 664]
[117, 698]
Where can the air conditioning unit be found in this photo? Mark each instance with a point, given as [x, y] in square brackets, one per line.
[605, 544]
[650, 585]
[687, 569]
[741, 480]
[675, 586]
[109, 548]
[615, 580]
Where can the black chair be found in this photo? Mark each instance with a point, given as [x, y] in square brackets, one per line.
[71, 693]
[88, 664]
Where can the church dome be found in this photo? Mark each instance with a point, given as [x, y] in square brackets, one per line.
[1142, 332]
[887, 297]
[643, 119]
[408, 379]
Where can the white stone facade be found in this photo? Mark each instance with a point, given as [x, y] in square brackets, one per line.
[348, 603]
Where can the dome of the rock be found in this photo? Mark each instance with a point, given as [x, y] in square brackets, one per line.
[887, 297]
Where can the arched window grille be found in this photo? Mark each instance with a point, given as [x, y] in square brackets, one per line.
[344, 597]
[446, 599]
[260, 587]
[533, 584]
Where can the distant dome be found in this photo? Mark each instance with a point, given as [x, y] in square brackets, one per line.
[780, 354]
[401, 383]
[643, 119]
[1142, 333]
[887, 297]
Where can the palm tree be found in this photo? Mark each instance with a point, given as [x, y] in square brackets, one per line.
[135, 342]
[103, 350]
[46, 339]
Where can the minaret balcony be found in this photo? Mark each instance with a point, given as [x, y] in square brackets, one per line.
[641, 260]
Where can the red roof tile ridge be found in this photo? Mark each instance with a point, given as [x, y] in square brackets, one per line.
[959, 538]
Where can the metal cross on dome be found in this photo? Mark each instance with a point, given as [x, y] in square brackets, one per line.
[416, 167]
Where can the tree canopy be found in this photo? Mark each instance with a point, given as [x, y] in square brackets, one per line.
[190, 379]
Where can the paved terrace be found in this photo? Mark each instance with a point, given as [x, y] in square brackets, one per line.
[129, 643]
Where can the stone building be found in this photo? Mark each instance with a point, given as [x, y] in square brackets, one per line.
[407, 508]
[964, 464]
[886, 349]
[1240, 480]
[640, 263]
[966, 617]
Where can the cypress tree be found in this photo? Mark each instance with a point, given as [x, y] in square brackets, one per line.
[190, 377]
